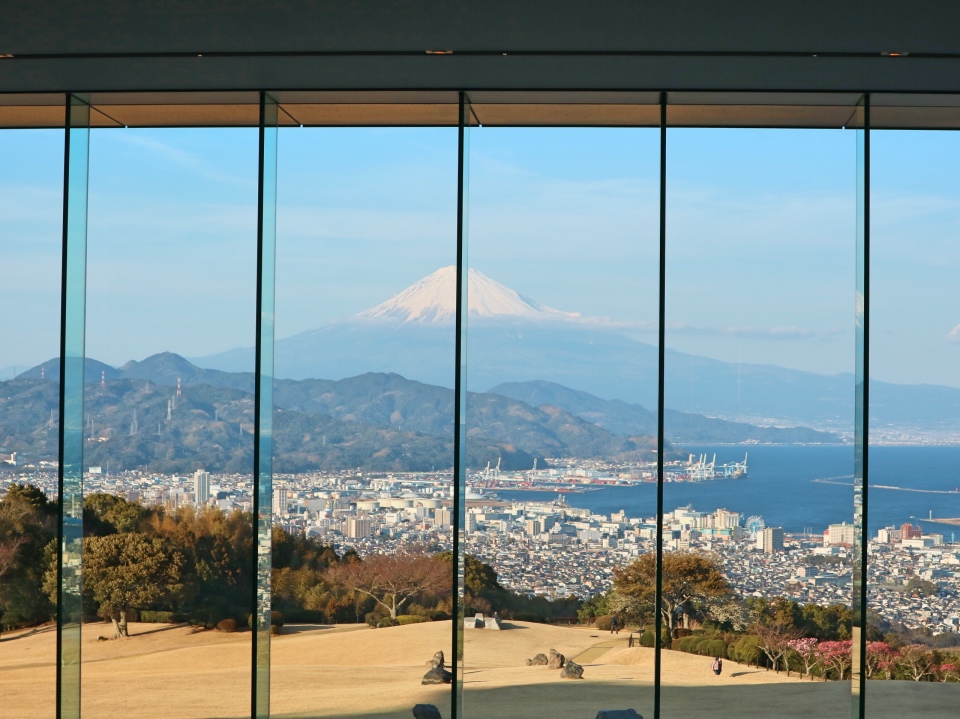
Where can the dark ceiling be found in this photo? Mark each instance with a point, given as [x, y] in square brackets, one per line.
[560, 44]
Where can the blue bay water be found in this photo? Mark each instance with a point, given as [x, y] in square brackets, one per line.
[780, 488]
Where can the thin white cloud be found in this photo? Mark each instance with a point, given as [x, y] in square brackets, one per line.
[188, 161]
[954, 335]
[755, 332]
[686, 328]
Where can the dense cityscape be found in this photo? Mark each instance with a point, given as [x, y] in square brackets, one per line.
[553, 548]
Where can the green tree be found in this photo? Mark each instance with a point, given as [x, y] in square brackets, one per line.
[921, 587]
[131, 570]
[595, 606]
[687, 577]
[27, 525]
[109, 514]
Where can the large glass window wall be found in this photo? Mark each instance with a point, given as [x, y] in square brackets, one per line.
[469, 403]
[363, 423]
[167, 568]
[760, 260]
[30, 234]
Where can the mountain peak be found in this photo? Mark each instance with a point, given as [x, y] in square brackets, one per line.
[434, 299]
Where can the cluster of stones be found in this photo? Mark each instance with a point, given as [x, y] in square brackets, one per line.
[568, 669]
[436, 674]
[429, 711]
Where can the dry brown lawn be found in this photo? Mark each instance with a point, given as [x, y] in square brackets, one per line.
[352, 671]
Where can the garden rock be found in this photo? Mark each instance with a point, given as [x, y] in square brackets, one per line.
[571, 670]
[436, 675]
[426, 711]
[556, 660]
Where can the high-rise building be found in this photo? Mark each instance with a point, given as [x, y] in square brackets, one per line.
[770, 539]
[201, 487]
[723, 518]
[279, 499]
[908, 531]
[838, 535]
[443, 517]
[358, 527]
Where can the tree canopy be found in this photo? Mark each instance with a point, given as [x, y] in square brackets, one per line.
[131, 570]
[687, 576]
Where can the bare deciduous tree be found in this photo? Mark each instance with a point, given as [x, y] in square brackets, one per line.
[392, 580]
[775, 641]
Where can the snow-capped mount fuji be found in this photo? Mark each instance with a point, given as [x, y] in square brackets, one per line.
[511, 338]
[434, 299]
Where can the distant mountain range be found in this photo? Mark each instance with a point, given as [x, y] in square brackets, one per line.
[375, 421]
[512, 338]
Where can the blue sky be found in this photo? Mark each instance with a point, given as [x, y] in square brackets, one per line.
[760, 229]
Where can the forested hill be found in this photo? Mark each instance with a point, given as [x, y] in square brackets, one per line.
[134, 423]
[376, 421]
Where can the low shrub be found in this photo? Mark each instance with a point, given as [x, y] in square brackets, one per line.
[647, 639]
[603, 622]
[227, 625]
[714, 648]
[157, 617]
[411, 619]
[378, 620]
[277, 619]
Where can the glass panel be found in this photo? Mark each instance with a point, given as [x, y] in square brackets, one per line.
[560, 516]
[861, 412]
[460, 388]
[169, 545]
[913, 609]
[364, 417]
[263, 436]
[72, 377]
[758, 420]
[31, 234]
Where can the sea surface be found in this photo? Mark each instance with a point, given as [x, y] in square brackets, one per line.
[781, 488]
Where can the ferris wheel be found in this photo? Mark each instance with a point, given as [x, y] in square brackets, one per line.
[755, 524]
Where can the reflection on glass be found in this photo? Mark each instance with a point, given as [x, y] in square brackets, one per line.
[561, 426]
[69, 578]
[912, 538]
[263, 436]
[757, 493]
[31, 229]
[861, 409]
[169, 539]
[363, 421]
[460, 388]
